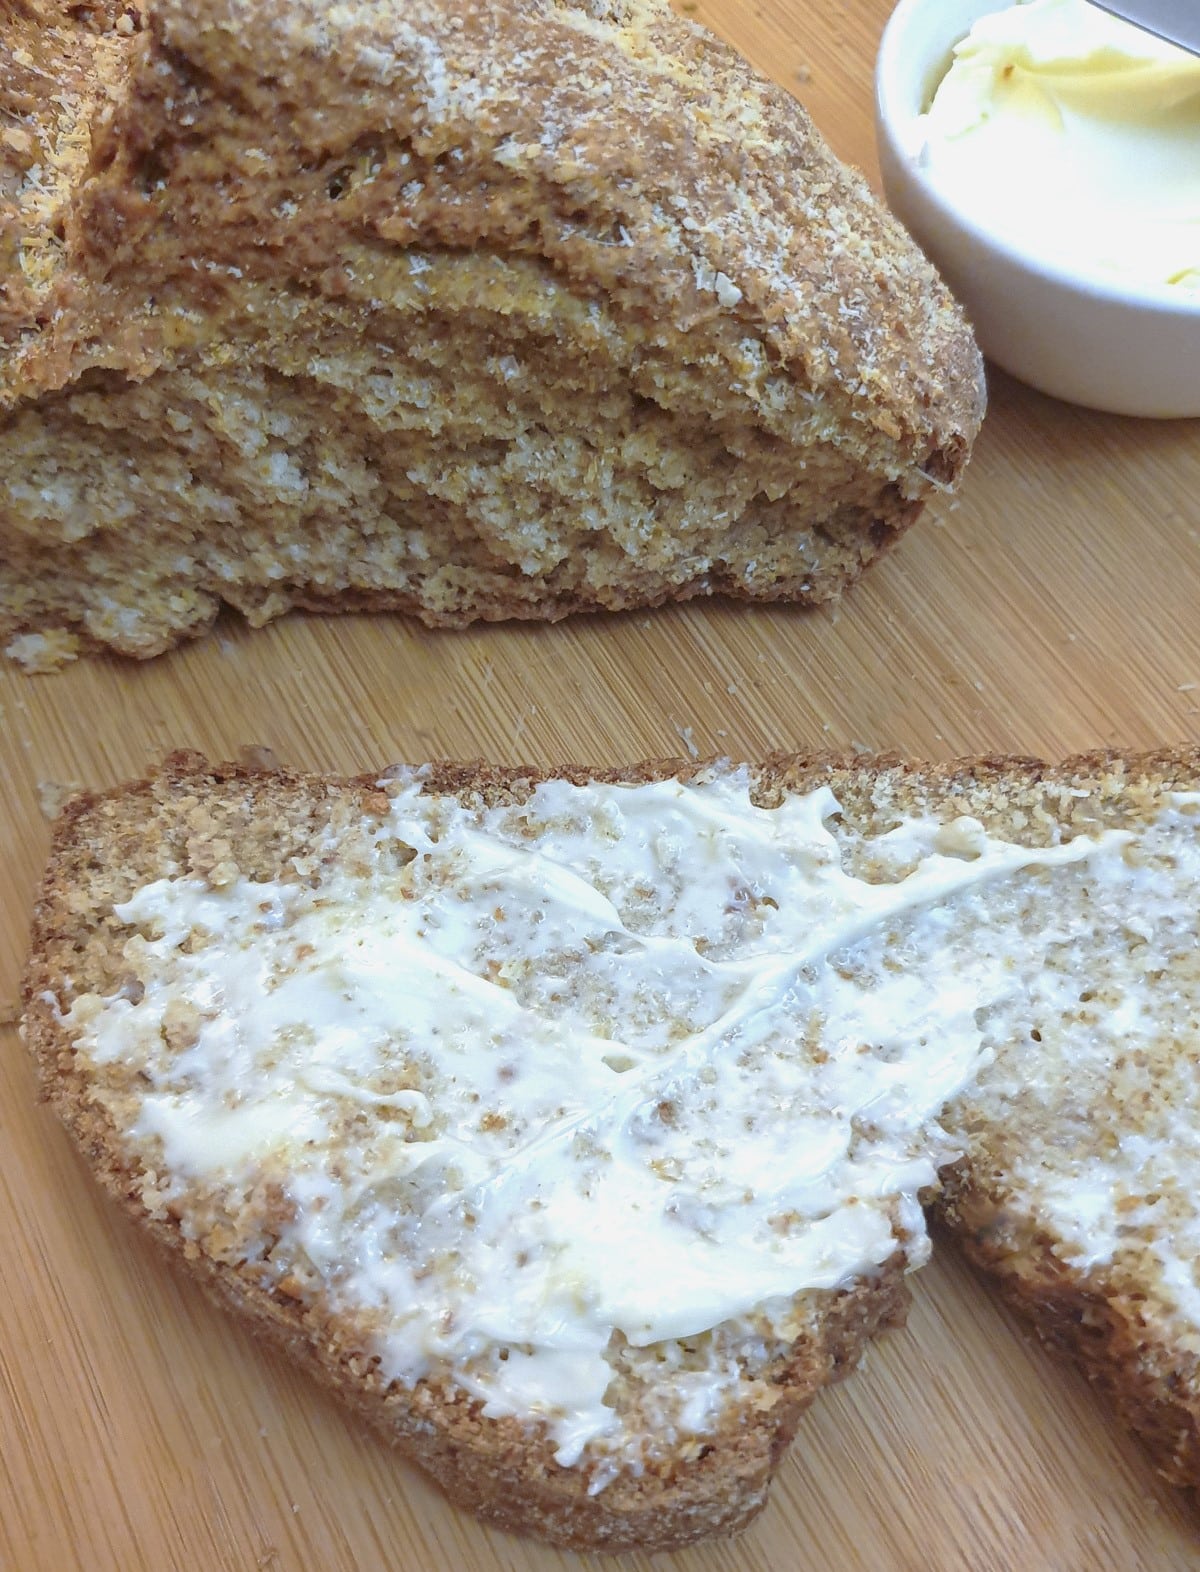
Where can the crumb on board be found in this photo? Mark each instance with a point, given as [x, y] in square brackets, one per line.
[39, 653]
[687, 736]
[53, 796]
[257, 756]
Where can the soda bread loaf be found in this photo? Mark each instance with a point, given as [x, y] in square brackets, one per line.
[472, 310]
[575, 1128]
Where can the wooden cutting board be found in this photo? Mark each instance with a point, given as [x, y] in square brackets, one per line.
[1055, 608]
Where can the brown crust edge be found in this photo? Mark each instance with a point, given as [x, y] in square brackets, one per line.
[1150, 1384]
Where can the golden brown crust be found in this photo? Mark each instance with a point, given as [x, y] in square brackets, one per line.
[59, 67]
[685, 344]
[494, 1469]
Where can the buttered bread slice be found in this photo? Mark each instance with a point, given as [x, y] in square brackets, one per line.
[575, 1128]
[1080, 1191]
[468, 308]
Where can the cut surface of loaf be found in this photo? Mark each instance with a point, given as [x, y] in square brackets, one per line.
[471, 310]
[575, 1127]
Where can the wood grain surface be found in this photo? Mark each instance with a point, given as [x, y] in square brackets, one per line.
[1054, 608]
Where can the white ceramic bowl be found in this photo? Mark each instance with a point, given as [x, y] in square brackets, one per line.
[1130, 349]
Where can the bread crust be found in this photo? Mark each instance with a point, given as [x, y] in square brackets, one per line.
[1152, 1384]
[696, 291]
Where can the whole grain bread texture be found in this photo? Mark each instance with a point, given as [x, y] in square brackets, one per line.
[1056, 1097]
[1079, 1189]
[219, 823]
[475, 311]
[1079, 1194]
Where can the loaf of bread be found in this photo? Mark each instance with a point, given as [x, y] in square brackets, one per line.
[575, 1128]
[472, 310]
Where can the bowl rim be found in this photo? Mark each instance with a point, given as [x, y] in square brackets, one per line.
[891, 116]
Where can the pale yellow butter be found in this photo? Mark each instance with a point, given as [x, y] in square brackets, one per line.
[1076, 136]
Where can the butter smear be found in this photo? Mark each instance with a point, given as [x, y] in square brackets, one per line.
[1076, 136]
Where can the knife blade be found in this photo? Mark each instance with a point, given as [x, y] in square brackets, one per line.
[1178, 21]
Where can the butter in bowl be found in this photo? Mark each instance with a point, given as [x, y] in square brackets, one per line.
[1047, 156]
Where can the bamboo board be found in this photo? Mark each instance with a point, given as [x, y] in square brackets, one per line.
[1054, 608]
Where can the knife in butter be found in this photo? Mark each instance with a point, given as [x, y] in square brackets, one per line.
[1178, 21]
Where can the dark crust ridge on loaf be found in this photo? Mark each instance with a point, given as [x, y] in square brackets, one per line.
[191, 816]
[475, 311]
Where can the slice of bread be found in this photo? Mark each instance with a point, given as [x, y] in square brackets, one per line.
[1080, 1192]
[575, 1127]
[477, 310]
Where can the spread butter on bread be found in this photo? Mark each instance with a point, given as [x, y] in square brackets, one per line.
[576, 1127]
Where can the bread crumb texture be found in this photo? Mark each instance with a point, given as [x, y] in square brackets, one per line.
[471, 310]
[575, 1127]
